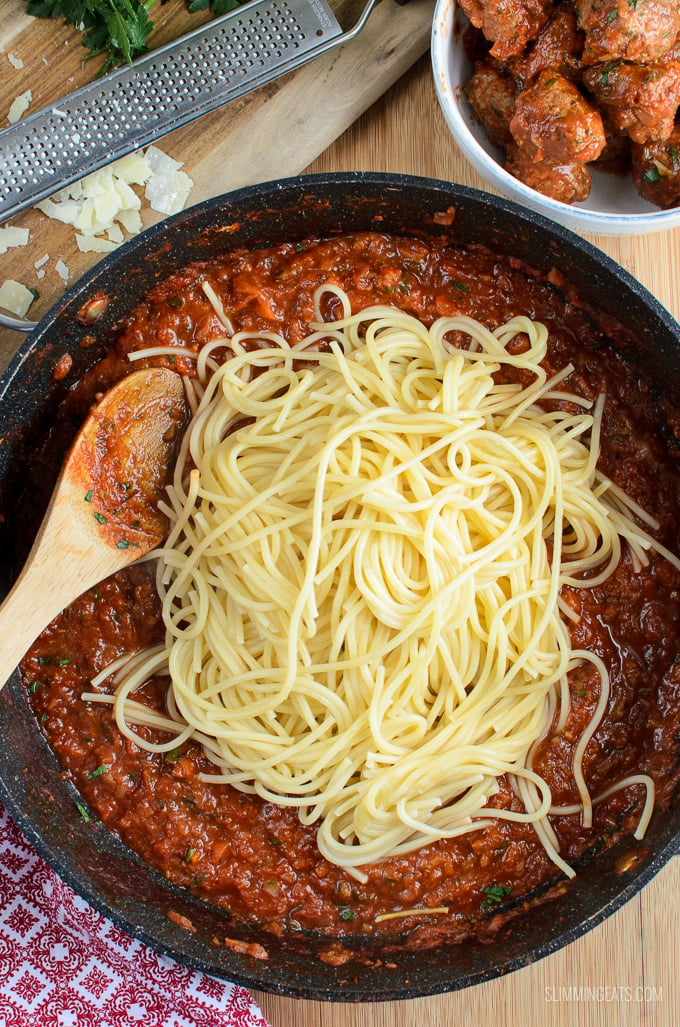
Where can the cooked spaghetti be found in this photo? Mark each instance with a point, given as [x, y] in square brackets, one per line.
[361, 588]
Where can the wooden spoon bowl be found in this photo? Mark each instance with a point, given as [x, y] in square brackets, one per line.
[103, 513]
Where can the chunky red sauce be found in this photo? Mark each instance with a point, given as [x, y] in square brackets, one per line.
[254, 858]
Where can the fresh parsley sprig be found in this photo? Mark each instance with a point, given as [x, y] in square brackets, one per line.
[218, 7]
[118, 28]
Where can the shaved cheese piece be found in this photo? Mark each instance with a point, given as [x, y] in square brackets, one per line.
[131, 220]
[19, 106]
[95, 244]
[86, 219]
[43, 260]
[73, 191]
[15, 297]
[106, 208]
[11, 236]
[159, 161]
[168, 192]
[129, 200]
[66, 211]
[133, 169]
[15, 61]
[103, 201]
[98, 182]
[96, 202]
[62, 270]
[168, 188]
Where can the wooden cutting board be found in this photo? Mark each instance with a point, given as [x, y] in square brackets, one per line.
[298, 116]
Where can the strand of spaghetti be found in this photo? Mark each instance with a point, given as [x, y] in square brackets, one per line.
[161, 351]
[626, 782]
[628, 503]
[590, 730]
[527, 792]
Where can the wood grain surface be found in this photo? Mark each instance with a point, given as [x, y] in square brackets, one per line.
[624, 972]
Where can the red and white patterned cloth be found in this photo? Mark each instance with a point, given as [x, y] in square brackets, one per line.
[64, 965]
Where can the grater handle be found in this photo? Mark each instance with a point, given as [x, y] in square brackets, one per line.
[135, 105]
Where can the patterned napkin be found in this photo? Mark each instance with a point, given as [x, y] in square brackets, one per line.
[64, 965]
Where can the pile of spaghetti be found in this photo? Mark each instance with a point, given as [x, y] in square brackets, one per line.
[361, 587]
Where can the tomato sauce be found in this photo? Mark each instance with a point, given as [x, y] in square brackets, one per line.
[254, 858]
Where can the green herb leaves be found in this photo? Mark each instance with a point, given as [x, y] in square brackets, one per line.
[118, 28]
[495, 893]
[218, 7]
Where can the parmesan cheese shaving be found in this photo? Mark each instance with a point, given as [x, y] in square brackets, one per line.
[95, 244]
[19, 106]
[168, 187]
[62, 270]
[104, 202]
[15, 297]
[10, 237]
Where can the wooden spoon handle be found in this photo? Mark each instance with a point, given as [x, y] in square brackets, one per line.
[66, 560]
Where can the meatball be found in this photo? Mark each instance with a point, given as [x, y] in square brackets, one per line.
[508, 24]
[492, 97]
[555, 123]
[656, 170]
[568, 183]
[640, 32]
[559, 45]
[640, 100]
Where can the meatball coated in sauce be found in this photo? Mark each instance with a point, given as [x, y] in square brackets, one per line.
[559, 46]
[508, 24]
[641, 100]
[640, 31]
[554, 123]
[615, 158]
[492, 95]
[567, 183]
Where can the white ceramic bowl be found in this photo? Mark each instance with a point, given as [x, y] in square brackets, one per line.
[614, 206]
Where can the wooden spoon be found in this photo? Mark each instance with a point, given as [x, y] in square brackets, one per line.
[103, 512]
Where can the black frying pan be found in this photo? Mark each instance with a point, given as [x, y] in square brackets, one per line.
[90, 859]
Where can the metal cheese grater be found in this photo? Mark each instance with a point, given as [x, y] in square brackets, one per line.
[132, 106]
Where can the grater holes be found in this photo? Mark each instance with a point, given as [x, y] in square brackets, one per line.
[168, 90]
